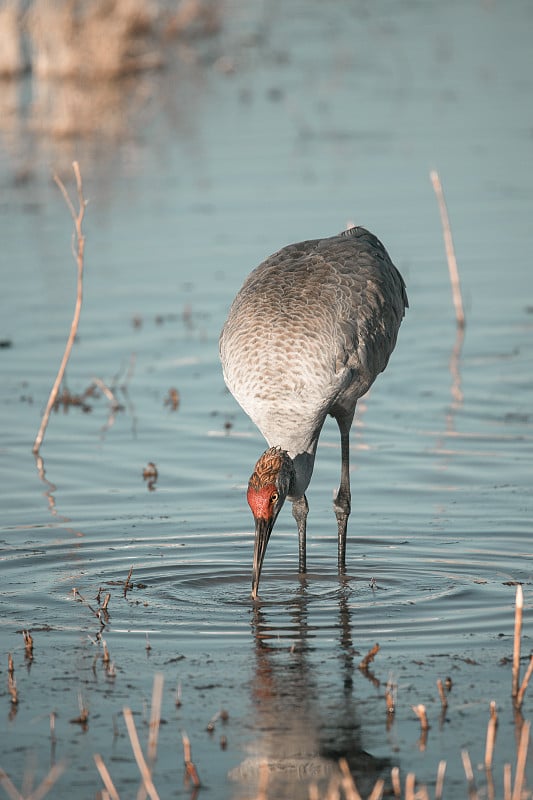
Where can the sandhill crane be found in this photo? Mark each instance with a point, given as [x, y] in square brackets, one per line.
[306, 336]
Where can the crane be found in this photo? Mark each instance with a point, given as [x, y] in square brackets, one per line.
[306, 336]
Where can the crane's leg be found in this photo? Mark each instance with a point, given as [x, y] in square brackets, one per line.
[300, 509]
[342, 502]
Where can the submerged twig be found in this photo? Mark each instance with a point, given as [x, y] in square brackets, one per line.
[79, 254]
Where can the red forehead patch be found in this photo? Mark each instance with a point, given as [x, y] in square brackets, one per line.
[259, 501]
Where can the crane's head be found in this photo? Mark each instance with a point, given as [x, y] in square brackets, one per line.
[267, 489]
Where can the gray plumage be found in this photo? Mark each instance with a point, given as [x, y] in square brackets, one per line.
[306, 336]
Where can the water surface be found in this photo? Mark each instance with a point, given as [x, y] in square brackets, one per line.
[332, 114]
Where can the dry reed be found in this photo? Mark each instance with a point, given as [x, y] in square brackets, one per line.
[450, 250]
[79, 237]
[439, 783]
[350, 789]
[420, 711]
[521, 762]
[138, 754]
[106, 777]
[190, 768]
[523, 686]
[491, 735]
[155, 716]
[42, 789]
[469, 772]
[519, 605]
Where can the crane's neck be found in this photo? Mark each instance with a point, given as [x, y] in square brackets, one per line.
[303, 469]
[297, 434]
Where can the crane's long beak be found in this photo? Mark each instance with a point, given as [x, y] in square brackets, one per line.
[263, 529]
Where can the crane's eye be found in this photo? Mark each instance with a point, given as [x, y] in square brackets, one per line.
[273, 497]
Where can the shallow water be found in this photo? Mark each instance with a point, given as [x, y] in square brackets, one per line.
[333, 114]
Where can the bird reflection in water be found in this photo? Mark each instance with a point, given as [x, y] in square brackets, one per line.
[301, 728]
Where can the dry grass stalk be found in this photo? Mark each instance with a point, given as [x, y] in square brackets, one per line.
[263, 781]
[523, 686]
[172, 399]
[442, 694]
[420, 711]
[28, 645]
[396, 783]
[105, 655]
[106, 391]
[211, 724]
[491, 735]
[10, 665]
[84, 712]
[47, 782]
[507, 782]
[350, 789]
[9, 786]
[439, 783]
[138, 753]
[190, 769]
[12, 688]
[127, 584]
[106, 777]
[450, 250]
[521, 761]
[369, 657]
[80, 239]
[37, 794]
[519, 605]
[155, 716]
[467, 766]
[313, 791]
[410, 786]
[377, 791]
[390, 696]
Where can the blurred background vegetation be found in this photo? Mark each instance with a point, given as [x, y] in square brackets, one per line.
[75, 73]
